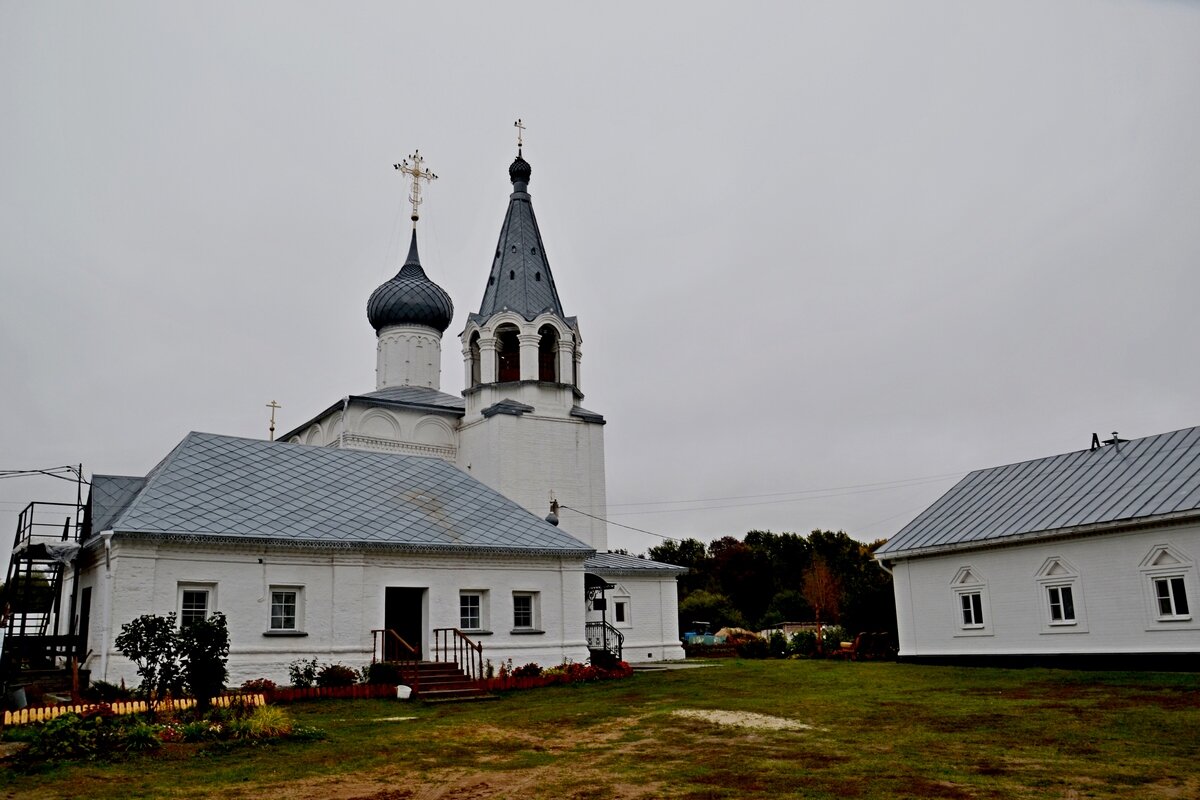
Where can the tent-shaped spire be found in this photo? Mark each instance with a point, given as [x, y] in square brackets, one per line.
[520, 279]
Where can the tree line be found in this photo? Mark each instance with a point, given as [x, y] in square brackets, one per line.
[767, 578]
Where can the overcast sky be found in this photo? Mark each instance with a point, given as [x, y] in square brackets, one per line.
[810, 246]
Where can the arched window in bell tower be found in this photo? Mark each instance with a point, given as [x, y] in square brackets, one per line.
[548, 354]
[475, 362]
[508, 354]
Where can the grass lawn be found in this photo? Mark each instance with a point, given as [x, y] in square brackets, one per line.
[824, 730]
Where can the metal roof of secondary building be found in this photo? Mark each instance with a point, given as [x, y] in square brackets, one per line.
[1156, 478]
[622, 564]
[230, 488]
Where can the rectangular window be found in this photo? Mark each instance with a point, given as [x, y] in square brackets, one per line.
[619, 611]
[283, 609]
[1171, 596]
[1062, 604]
[522, 610]
[972, 609]
[470, 611]
[193, 606]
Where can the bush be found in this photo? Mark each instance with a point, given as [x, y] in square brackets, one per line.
[803, 643]
[530, 670]
[203, 653]
[753, 648]
[778, 645]
[268, 722]
[832, 637]
[259, 686]
[383, 672]
[303, 672]
[152, 643]
[336, 675]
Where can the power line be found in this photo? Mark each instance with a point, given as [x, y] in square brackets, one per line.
[866, 487]
[619, 525]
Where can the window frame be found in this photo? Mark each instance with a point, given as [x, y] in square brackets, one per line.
[481, 610]
[967, 583]
[1168, 565]
[535, 618]
[297, 592]
[1059, 575]
[186, 587]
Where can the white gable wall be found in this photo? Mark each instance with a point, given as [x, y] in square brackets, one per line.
[651, 624]
[1111, 579]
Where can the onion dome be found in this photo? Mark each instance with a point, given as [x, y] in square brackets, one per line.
[410, 298]
[519, 172]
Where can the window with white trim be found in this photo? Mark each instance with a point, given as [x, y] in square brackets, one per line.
[971, 611]
[472, 610]
[1062, 598]
[1171, 594]
[1062, 603]
[287, 608]
[196, 602]
[1167, 572]
[525, 611]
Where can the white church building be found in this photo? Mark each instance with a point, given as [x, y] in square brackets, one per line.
[404, 514]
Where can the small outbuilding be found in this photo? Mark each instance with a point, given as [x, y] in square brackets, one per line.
[1085, 556]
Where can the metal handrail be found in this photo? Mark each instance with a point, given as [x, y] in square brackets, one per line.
[603, 636]
[452, 645]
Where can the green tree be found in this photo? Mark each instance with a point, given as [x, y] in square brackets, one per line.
[711, 607]
[152, 643]
[203, 654]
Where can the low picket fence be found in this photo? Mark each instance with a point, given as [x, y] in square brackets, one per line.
[44, 713]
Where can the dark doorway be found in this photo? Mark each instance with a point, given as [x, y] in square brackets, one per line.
[402, 613]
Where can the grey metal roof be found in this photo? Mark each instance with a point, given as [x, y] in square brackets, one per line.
[1134, 481]
[621, 564]
[420, 398]
[416, 397]
[410, 298]
[111, 494]
[250, 489]
[520, 278]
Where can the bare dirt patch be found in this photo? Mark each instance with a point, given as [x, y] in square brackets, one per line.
[743, 719]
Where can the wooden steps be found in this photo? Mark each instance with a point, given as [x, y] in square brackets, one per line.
[441, 681]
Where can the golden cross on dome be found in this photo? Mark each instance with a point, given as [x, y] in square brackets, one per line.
[520, 126]
[416, 171]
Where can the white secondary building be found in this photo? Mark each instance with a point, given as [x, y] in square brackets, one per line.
[1068, 558]
[404, 513]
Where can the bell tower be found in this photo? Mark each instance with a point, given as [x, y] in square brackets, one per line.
[524, 432]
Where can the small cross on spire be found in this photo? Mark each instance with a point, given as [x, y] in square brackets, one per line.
[418, 174]
[273, 406]
[520, 126]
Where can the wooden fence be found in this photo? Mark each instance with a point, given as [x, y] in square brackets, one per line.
[44, 713]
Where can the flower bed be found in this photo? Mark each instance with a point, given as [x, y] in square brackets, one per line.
[531, 676]
[358, 691]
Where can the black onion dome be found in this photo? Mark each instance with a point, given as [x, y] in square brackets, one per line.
[410, 298]
[519, 172]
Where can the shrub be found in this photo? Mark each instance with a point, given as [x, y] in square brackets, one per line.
[336, 675]
[303, 672]
[803, 643]
[152, 643]
[267, 722]
[259, 686]
[832, 637]
[383, 672]
[753, 648]
[778, 645]
[203, 654]
[530, 670]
